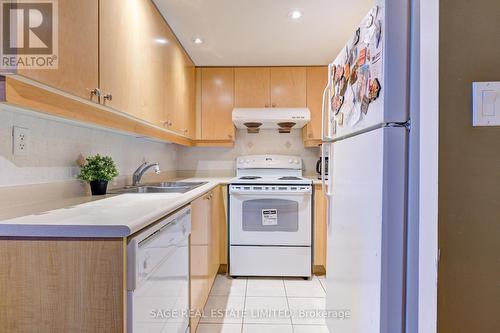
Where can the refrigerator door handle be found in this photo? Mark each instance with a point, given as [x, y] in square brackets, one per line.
[324, 183]
[324, 123]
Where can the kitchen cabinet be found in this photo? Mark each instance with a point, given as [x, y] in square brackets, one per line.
[201, 210]
[207, 221]
[218, 230]
[180, 80]
[62, 285]
[217, 102]
[133, 42]
[77, 73]
[260, 87]
[320, 229]
[126, 60]
[317, 78]
[252, 87]
[288, 86]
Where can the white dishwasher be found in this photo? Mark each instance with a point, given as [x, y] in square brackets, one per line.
[158, 276]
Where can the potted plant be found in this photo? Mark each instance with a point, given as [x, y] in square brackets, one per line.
[98, 171]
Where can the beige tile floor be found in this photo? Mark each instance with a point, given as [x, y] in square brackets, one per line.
[264, 305]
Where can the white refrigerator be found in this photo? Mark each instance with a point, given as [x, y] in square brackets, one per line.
[366, 133]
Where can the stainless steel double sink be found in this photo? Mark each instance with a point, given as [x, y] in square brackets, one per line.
[165, 187]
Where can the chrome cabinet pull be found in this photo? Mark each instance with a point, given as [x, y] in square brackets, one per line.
[95, 92]
[107, 97]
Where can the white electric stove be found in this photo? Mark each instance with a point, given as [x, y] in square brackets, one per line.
[270, 217]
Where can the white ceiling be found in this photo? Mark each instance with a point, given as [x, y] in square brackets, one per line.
[260, 33]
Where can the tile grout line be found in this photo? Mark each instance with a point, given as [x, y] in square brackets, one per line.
[322, 286]
[288, 304]
[244, 304]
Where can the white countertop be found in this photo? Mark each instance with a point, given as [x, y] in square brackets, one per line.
[113, 216]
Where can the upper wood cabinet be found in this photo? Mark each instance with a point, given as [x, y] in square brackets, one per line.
[133, 45]
[78, 35]
[217, 103]
[252, 87]
[260, 87]
[180, 89]
[288, 86]
[317, 78]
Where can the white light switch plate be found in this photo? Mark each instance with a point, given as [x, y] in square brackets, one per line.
[486, 103]
[20, 140]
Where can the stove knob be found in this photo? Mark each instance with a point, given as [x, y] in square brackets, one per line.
[290, 161]
[297, 162]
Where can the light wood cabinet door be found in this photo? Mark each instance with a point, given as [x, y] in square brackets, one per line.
[252, 87]
[133, 42]
[288, 86]
[218, 217]
[179, 112]
[320, 230]
[217, 102]
[317, 78]
[77, 72]
[201, 215]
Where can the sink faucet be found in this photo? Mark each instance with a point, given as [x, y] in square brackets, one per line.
[136, 178]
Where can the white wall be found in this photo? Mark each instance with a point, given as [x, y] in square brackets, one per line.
[220, 161]
[56, 145]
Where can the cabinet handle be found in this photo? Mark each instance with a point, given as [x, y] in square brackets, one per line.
[230, 136]
[107, 97]
[95, 92]
[266, 105]
[167, 123]
[274, 105]
[184, 131]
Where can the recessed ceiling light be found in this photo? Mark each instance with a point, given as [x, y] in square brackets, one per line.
[198, 40]
[295, 14]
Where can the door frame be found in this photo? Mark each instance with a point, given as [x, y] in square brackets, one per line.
[423, 253]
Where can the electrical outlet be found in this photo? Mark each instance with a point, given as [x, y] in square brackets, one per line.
[20, 140]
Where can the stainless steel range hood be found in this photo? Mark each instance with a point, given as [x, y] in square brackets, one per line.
[283, 119]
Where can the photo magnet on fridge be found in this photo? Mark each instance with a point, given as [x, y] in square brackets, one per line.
[362, 84]
[362, 57]
[365, 104]
[338, 101]
[354, 75]
[347, 71]
[374, 90]
[340, 119]
[355, 39]
[378, 33]
[343, 86]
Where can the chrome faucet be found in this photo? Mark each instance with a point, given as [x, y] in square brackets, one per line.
[136, 178]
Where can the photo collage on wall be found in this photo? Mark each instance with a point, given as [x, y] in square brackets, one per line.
[357, 73]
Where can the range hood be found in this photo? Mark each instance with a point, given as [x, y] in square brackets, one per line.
[283, 119]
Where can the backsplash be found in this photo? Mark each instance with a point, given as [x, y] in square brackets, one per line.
[55, 146]
[202, 161]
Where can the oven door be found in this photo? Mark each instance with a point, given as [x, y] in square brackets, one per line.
[272, 215]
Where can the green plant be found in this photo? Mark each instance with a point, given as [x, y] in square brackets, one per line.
[98, 167]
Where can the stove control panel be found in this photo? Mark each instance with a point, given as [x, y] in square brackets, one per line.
[244, 188]
[269, 162]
